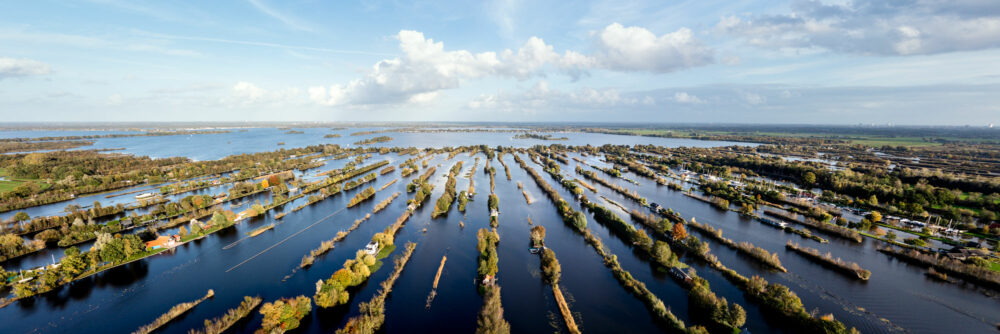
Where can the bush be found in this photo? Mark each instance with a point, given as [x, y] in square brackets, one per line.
[284, 314]
[550, 266]
[537, 236]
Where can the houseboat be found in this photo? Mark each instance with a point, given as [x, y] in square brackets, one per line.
[771, 222]
[145, 196]
[372, 248]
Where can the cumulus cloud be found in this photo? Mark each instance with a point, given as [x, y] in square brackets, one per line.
[246, 93]
[637, 49]
[684, 97]
[752, 98]
[877, 27]
[427, 67]
[14, 67]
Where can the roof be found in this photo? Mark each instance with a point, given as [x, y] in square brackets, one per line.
[160, 241]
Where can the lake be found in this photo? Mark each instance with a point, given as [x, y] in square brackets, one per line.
[897, 298]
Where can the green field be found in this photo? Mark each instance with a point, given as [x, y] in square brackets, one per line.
[9, 184]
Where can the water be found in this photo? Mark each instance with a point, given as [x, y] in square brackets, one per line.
[239, 141]
[122, 299]
[931, 306]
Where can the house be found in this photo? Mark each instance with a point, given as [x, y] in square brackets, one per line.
[159, 242]
[655, 207]
[680, 274]
[494, 213]
[372, 248]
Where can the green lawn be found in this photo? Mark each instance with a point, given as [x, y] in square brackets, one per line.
[6, 186]
[10, 183]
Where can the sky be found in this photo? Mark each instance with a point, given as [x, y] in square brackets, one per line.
[905, 62]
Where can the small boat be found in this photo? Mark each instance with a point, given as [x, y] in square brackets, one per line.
[144, 195]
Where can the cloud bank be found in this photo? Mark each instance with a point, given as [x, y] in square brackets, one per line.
[875, 27]
[427, 67]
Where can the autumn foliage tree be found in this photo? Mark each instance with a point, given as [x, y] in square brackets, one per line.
[679, 232]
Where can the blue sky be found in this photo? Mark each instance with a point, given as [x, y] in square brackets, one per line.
[838, 62]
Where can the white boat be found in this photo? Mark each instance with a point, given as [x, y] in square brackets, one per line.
[144, 196]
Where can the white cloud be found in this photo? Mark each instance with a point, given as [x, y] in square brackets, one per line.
[115, 100]
[637, 49]
[684, 97]
[752, 98]
[15, 67]
[246, 93]
[427, 67]
[875, 26]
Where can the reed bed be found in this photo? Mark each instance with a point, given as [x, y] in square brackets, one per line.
[437, 278]
[327, 245]
[757, 253]
[233, 315]
[850, 268]
[384, 203]
[388, 184]
[174, 312]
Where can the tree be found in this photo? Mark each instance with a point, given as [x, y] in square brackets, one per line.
[183, 232]
[195, 226]
[49, 236]
[873, 201]
[219, 219]
[132, 245]
[490, 320]
[579, 220]
[550, 266]
[663, 254]
[809, 178]
[875, 216]
[737, 316]
[679, 233]
[284, 314]
[537, 236]
[113, 251]
[102, 240]
[72, 263]
[21, 217]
